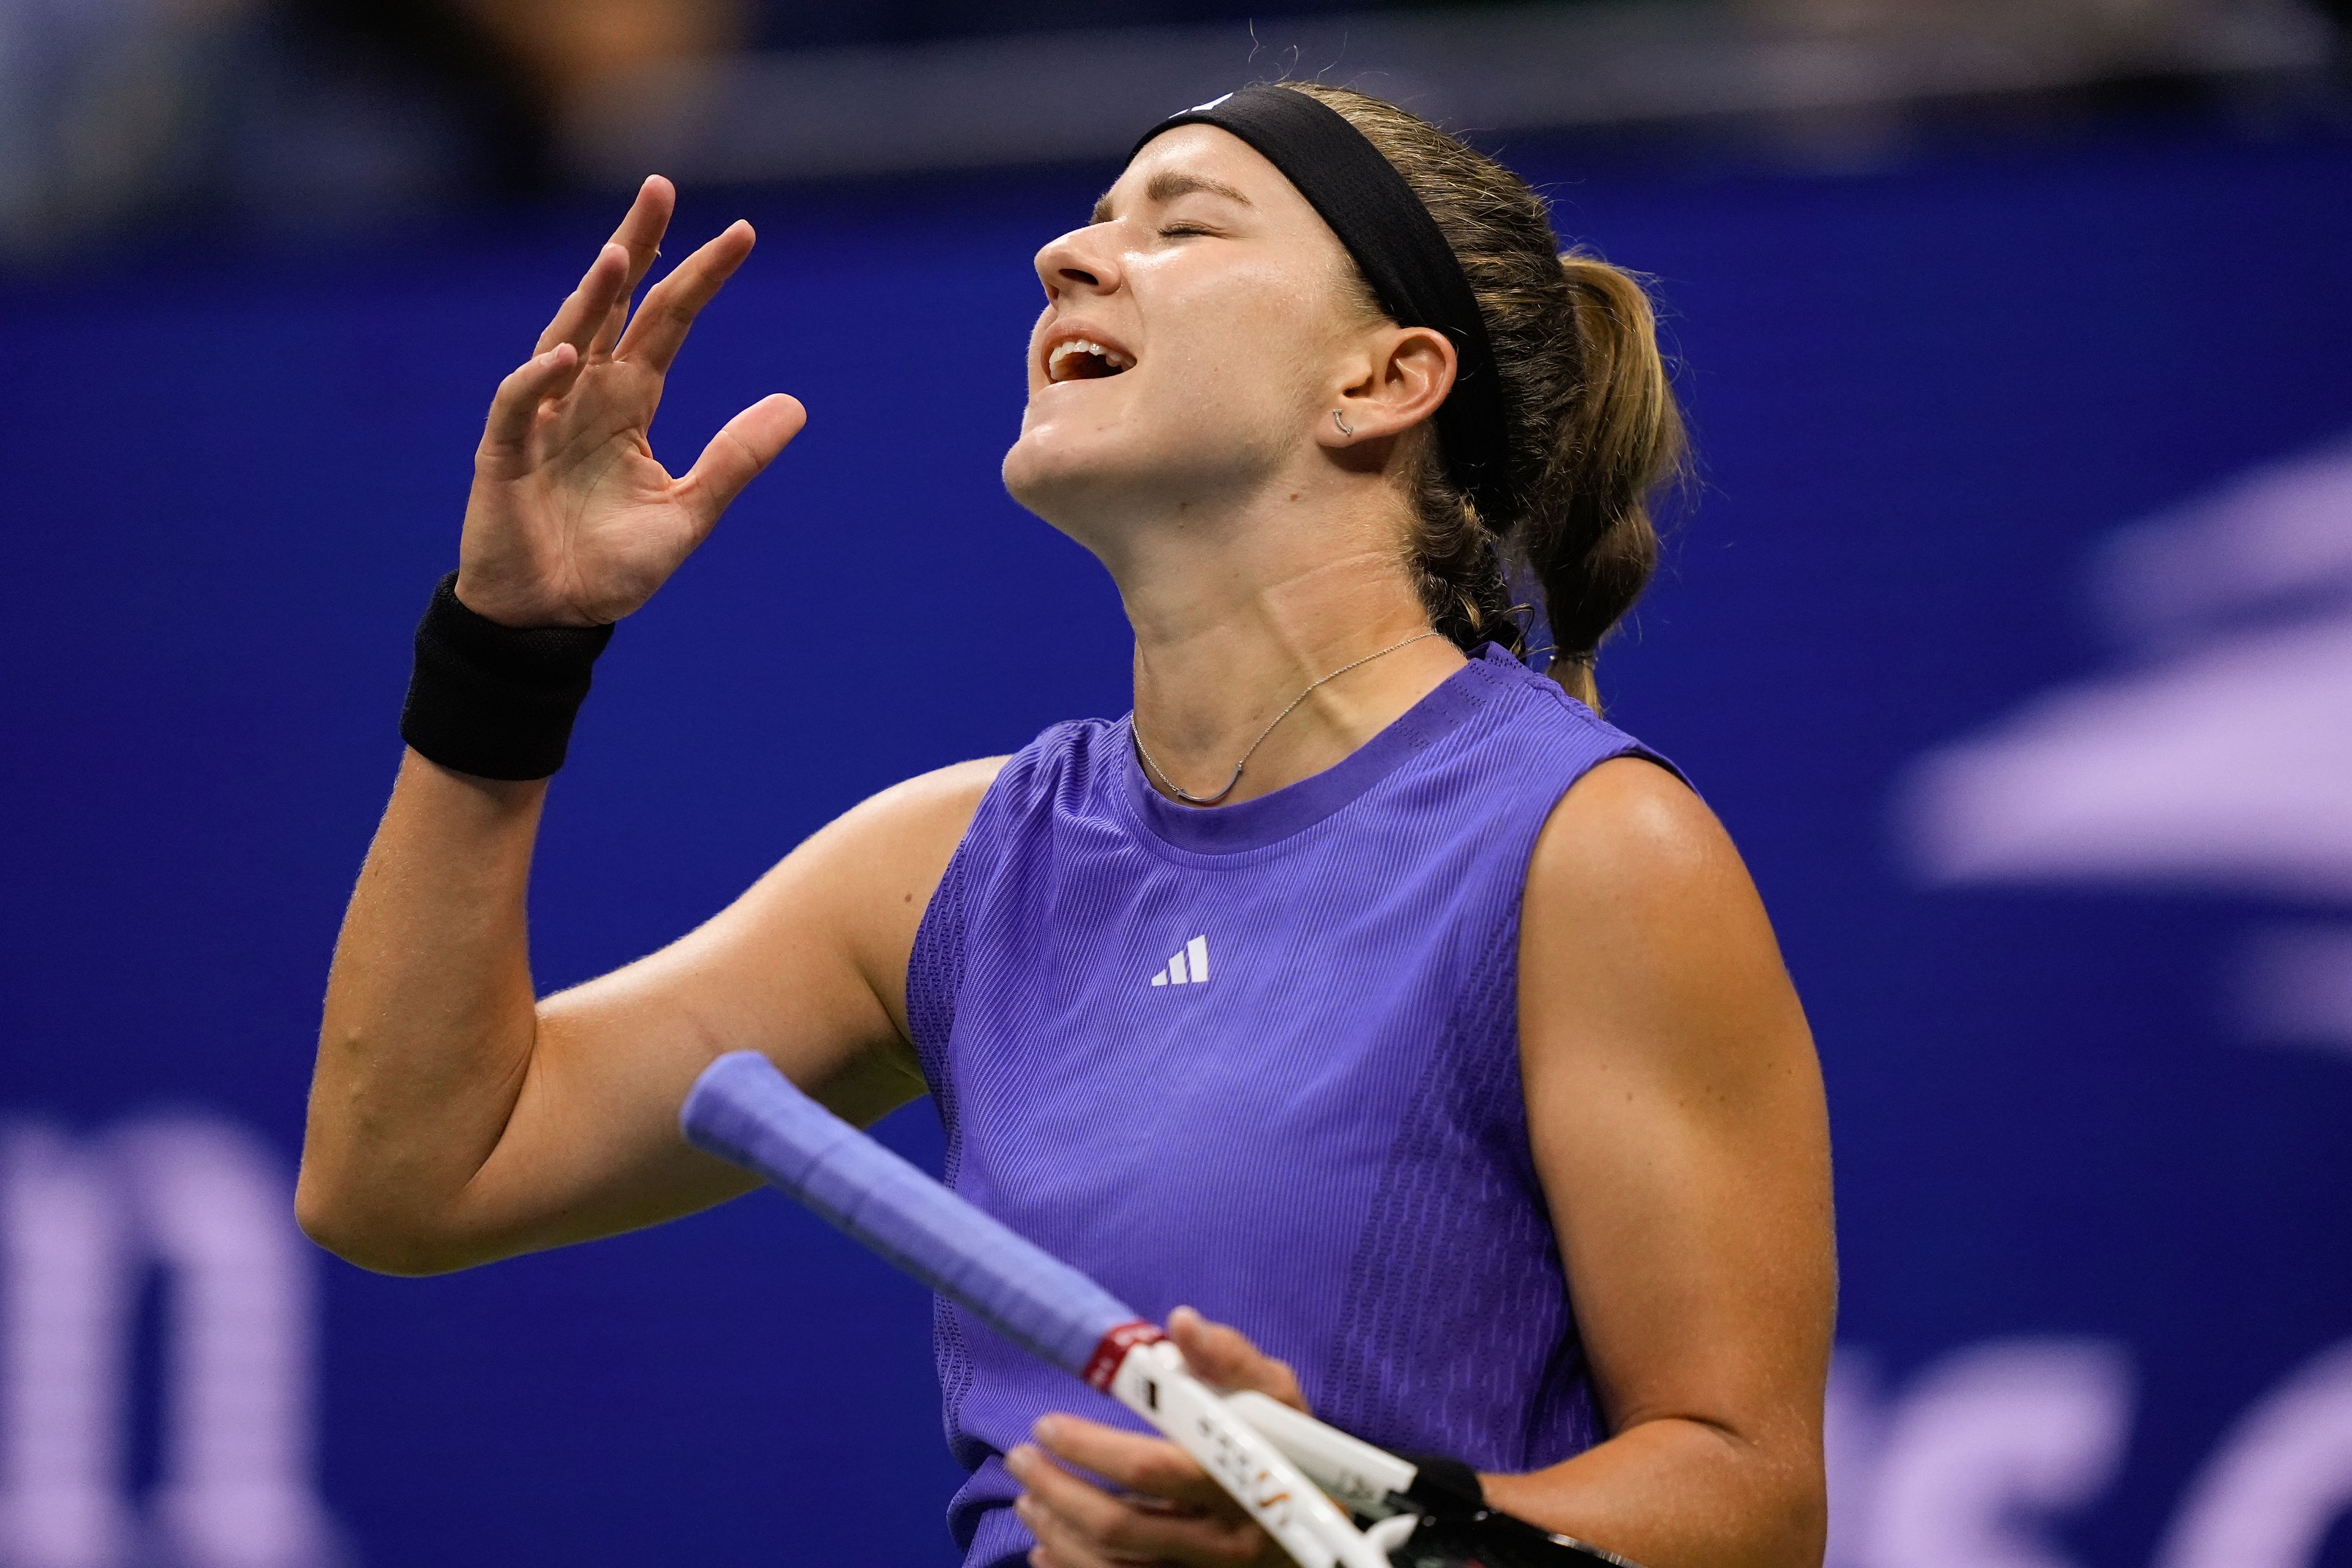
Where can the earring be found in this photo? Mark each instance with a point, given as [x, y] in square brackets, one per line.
[1345, 429]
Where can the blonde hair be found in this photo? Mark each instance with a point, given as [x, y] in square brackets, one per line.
[1595, 431]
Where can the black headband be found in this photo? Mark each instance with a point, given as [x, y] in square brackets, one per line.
[1402, 255]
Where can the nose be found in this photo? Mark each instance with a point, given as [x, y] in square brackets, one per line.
[1081, 261]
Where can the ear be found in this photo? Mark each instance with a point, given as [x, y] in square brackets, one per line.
[1399, 385]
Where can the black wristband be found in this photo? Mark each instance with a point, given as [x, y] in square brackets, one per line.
[491, 701]
[1444, 1486]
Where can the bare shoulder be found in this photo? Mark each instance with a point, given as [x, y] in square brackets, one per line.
[873, 868]
[921, 811]
[1630, 832]
[885, 856]
[1643, 936]
[809, 965]
[849, 896]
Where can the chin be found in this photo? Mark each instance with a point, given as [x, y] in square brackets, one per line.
[1065, 485]
[1094, 480]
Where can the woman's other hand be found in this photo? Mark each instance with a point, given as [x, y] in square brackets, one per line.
[1161, 1506]
[571, 522]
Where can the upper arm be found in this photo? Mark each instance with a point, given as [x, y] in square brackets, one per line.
[808, 967]
[1676, 1115]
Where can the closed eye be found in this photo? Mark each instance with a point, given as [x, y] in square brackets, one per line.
[1176, 230]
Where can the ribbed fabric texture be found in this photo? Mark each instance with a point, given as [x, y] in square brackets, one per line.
[1324, 1142]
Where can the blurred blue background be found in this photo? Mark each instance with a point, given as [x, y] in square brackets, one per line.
[2011, 634]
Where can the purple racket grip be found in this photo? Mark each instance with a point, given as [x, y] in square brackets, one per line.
[741, 1109]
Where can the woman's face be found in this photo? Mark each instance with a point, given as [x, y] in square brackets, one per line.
[1192, 335]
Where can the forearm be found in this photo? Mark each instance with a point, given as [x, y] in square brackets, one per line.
[1681, 1493]
[430, 1017]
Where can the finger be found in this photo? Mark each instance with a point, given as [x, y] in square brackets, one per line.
[1059, 1543]
[1063, 1544]
[744, 444]
[661, 324]
[1065, 1514]
[515, 407]
[1151, 1465]
[1073, 1518]
[640, 235]
[575, 320]
[1226, 1357]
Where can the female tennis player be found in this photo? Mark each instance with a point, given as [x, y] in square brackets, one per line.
[1361, 987]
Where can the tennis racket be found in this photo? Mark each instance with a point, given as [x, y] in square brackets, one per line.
[1284, 1467]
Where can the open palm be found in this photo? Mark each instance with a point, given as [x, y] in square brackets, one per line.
[572, 521]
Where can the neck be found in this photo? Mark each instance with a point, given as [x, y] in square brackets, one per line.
[1238, 610]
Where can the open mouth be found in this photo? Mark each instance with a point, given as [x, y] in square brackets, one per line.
[1082, 359]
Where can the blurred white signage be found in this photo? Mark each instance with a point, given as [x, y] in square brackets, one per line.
[1976, 1460]
[2219, 757]
[81, 1224]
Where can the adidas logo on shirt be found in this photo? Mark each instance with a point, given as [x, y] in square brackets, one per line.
[1190, 967]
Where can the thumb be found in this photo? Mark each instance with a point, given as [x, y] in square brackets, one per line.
[744, 444]
[1226, 1357]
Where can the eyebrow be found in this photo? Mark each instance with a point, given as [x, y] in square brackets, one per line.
[1169, 184]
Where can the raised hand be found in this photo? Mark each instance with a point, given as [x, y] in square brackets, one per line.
[572, 520]
[1165, 1509]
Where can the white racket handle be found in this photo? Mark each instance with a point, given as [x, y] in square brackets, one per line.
[1360, 1475]
[1153, 1382]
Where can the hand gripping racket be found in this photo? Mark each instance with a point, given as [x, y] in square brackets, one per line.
[1278, 1463]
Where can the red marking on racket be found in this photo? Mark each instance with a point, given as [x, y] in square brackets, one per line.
[1111, 1349]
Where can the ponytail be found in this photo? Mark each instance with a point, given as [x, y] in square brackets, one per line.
[1617, 439]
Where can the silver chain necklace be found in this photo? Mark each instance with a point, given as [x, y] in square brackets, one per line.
[1189, 798]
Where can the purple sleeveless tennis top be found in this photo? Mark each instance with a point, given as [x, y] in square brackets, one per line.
[1263, 1060]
